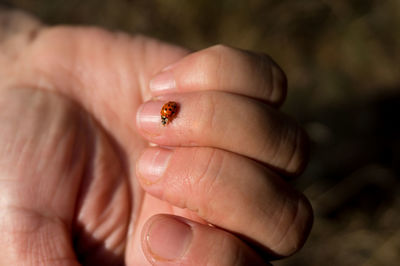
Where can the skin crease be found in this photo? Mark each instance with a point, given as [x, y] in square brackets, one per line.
[68, 103]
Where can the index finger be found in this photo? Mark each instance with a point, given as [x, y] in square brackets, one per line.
[227, 69]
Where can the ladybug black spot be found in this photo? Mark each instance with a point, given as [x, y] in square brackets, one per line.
[170, 109]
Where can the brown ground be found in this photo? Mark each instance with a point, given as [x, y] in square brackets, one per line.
[342, 58]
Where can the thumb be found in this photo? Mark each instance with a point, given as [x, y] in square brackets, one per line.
[173, 240]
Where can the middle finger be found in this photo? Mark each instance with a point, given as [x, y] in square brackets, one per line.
[227, 121]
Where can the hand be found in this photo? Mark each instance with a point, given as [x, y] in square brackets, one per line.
[76, 121]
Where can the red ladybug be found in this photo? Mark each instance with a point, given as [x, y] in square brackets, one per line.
[168, 112]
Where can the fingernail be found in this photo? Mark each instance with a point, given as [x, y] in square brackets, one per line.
[168, 239]
[148, 117]
[163, 81]
[152, 164]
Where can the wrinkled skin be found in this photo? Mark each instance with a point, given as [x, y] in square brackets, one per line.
[70, 145]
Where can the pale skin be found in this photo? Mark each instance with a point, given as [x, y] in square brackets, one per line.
[80, 182]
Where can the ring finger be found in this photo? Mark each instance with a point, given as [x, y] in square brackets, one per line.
[229, 191]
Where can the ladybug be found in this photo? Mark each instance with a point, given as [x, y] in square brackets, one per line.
[168, 112]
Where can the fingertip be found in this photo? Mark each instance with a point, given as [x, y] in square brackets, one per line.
[148, 118]
[152, 163]
[163, 82]
[173, 240]
[279, 85]
[166, 238]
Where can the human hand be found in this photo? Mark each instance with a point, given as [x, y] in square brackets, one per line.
[69, 149]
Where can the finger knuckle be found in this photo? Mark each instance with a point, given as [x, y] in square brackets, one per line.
[284, 145]
[289, 153]
[278, 87]
[300, 152]
[275, 81]
[214, 63]
[297, 228]
[222, 48]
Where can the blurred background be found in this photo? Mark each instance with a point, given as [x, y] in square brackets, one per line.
[342, 59]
